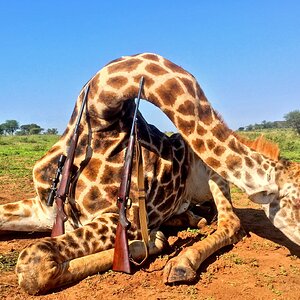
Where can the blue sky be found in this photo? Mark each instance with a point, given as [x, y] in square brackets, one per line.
[245, 54]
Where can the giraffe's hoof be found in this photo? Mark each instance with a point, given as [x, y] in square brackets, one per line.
[178, 271]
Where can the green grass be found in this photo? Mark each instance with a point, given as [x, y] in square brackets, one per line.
[19, 153]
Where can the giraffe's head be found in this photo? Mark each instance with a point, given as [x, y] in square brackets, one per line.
[284, 210]
[282, 206]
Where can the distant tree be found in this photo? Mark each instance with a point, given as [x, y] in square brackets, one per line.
[249, 127]
[2, 130]
[241, 129]
[10, 126]
[30, 129]
[36, 130]
[293, 119]
[51, 131]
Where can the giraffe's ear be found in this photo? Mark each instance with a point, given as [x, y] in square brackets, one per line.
[265, 195]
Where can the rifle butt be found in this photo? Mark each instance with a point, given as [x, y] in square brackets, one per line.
[121, 262]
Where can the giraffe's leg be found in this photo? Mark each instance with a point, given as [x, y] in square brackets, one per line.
[26, 215]
[53, 262]
[183, 268]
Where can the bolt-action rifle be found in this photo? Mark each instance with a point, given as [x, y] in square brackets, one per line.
[55, 180]
[65, 165]
[121, 260]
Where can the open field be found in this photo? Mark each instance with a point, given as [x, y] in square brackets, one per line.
[264, 265]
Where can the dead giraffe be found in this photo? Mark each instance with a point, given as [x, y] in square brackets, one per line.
[175, 176]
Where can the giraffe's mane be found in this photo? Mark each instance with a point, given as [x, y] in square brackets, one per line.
[262, 146]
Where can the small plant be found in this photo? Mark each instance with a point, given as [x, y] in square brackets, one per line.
[192, 230]
[283, 271]
[254, 263]
[192, 292]
[234, 258]
[8, 261]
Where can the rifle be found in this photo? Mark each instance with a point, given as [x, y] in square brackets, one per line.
[63, 190]
[55, 180]
[121, 253]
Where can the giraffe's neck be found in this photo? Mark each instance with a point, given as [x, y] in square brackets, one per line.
[178, 95]
[220, 149]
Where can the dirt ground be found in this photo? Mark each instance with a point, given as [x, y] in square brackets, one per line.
[264, 265]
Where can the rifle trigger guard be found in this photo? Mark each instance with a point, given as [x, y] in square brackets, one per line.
[129, 202]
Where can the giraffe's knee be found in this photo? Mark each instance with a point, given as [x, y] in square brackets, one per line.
[231, 225]
[36, 268]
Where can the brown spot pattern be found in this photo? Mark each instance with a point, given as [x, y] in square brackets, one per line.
[235, 146]
[199, 92]
[92, 169]
[130, 92]
[169, 91]
[93, 201]
[107, 96]
[260, 172]
[12, 207]
[151, 57]
[175, 68]
[201, 130]
[219, 150]
[224, 174]
[117, 82]
[111, 174]
[148, 81]
[94, 86]
[233, 162]
[205, 114]
[170, 114]
[127, 65]
[187, 108]
[187, 127]
[266, 166]
[249, 162]
[210, 143]
[221, 133]
[112, 191]
[199, 145]
[189, 85]
[237, 174]
[53, 149]
[73, 116]
[248, 177]
[155, 69]
[213, 163]
[257, 158]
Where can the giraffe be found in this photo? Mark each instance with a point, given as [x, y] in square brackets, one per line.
[180, 171]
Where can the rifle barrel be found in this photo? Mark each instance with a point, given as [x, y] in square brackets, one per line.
[137, 104]
[81, 108]
[62, 191]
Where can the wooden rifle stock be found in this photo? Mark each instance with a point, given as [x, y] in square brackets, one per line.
[63, 190]
[121, 260]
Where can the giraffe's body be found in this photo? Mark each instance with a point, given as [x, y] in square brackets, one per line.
[179, 172]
